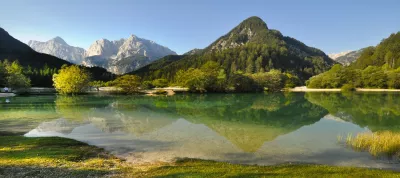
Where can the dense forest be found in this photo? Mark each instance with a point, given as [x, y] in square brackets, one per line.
[250, 49]
[377, 67]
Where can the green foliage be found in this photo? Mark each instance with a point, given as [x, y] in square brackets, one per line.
[387, 52]
[271, 81]
[147, 85]
[160, 83]
[11, 75]
[250, 48]
[370, 77]
[348, 87]
[374, 77]
[71, 80]
[97, 84]
[128, 83]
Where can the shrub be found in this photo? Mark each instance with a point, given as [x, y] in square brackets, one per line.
[147, 85]
[348, 87]
[71, 79]
[128, 83]
[160, 83]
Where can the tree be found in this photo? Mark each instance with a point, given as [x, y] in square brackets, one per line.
[3, 73]
[97, 84]
[374, 77]
[147, 85]
[12, 76]
[71, 80]
[394, 79]
[160, 83]
[128, 83]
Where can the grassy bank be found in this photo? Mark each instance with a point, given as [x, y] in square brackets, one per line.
[59, 157]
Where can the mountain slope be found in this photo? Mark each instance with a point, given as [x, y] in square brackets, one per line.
[386, 52]
[59, 48]
[12, 50]
[250, 47]
[118, 56]
[337, 55]
[346, 57]
[350, 57]
[124, 55]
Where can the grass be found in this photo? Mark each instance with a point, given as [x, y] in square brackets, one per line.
[378, 144]
[60, 157]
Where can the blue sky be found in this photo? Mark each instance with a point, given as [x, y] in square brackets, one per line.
[332, 26]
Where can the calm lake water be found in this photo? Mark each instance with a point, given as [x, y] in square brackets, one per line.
[259, 128]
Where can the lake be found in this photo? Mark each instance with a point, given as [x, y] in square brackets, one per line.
[260, 128]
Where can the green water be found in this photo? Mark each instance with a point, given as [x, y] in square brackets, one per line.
[240, 128]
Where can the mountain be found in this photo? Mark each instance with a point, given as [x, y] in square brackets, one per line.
[124, 55]
[250, 47]
[349, 57]
[194, 51]
[118, 56]
[59, 48]
[39, 66]
[336, 55]
[386, 52]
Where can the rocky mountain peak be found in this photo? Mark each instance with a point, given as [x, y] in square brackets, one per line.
[59, 40]
[251, 29]
[59, 48]
[254, 23]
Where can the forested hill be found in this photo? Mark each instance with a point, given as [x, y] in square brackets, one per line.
[39, 67]
[248, 48]
[387, 52]
[377, 67]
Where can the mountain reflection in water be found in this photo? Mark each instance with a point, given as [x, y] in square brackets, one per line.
[241, 128]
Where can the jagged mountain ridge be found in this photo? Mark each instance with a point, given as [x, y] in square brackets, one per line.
[350, 57]
[13, 49]
[337, 55]
[118, 56]
[59, 48]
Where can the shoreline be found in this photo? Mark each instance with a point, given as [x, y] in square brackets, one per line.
[45, 156]
[305, 89]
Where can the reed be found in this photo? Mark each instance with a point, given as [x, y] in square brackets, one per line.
[378, 143]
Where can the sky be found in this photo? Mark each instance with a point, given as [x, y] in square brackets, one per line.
[330, 25]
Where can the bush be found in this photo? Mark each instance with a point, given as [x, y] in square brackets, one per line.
[348, 87]
[160, 83]
[147, 85]
[71, 80]
[128, 83]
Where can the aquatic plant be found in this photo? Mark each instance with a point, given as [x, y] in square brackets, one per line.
[378, 143]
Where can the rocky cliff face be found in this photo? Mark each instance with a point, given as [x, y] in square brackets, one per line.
[348, 57]
[59, 48]
[124, 55]
[118, 56]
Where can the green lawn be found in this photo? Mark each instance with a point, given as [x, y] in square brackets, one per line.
[60, 157]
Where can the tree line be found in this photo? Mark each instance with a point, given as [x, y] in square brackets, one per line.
[12, 75]
[377, 67]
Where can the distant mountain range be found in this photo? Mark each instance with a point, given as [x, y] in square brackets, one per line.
[13, 49]
[250, 47]
[118, 56]
[59, 48]
[347, 57]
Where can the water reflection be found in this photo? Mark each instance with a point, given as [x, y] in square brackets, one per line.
[376, 111]
[244, 128]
